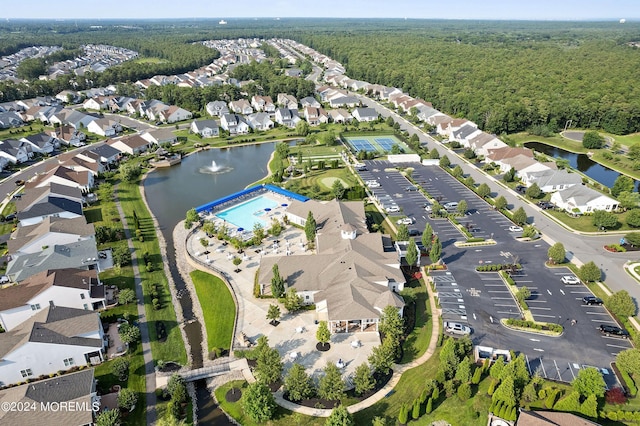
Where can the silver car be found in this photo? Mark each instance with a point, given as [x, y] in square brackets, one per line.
[457, 328]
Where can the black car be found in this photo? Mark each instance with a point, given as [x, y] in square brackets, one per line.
[414, 232]
[521, 189]
[612, 330]
[591, 300]
[545, 205]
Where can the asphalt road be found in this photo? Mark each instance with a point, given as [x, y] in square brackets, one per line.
[482, 299]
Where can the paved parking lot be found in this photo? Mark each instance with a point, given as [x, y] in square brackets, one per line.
[482, 299]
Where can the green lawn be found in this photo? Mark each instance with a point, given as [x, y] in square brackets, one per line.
[585, 223]
[218, 309]
[373, 214]
[418, 340]
[135, 382]
[282, 417]
[172, 349]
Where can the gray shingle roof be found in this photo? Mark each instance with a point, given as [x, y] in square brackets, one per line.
[52, 205]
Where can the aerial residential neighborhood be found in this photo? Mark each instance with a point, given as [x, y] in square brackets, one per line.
[259, 226]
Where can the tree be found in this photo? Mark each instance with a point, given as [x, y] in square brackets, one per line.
[633, 218]
[633, 238]
[510, 175]
[292, 301]
[298, 384]
[589, 382]
[403, 233]
[464, 391]
[429, 408]
[444, 162]
[483, 190]
[462, 207]
[449, 359]
[505, 392]
[127, 399]
[258, 403]
[337, 189]
[108, 418]
[427, 236]
[434, 154]
[302, 128]
[120, 368]
[592, 140]
[533, 191]
[463, 372]
[501, 203]
[382, 356]
[629, 200]
[282, 148]
[175, 386]
[590, 407]
[340, 416]
[457, 172]
[129, 333]
[310, 228]
[557, 253]
[621, 304]
[412, 253]
[125, 296]
[469, 154]
[331, 385]
[362, 379]
[273, 313]
[496, 369]
[523, 294]
[436, 250]
[602, 219]
[277, 282]
[129, 172]
[121, 256]
[589, 272]
[391, 323]
[403, 415]
[519, 216]
[323, 335]
[623, 183]
[268, 366]
[628, 360]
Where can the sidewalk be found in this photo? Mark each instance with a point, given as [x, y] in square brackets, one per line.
[149, 367]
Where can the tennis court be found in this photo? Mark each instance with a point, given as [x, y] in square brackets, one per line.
[380, 144]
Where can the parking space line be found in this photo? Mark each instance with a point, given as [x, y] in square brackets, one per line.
[543, 370]
[544, 316]
[571, 369]
[535, 307]
[618, 346]
[609, 321]
[558, 370]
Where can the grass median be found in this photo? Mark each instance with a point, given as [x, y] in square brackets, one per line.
[218, 309]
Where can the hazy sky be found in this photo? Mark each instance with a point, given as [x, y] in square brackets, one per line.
[424, 9]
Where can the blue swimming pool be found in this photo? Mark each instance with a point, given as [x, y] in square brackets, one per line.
[245, 215]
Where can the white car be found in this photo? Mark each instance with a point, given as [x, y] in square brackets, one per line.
[393, 209]
[4, 279]
[373, 184]
[514, 228]
[405, 221]
[457, 328]
[570, 279]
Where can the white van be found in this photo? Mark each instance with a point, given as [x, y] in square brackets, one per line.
[450, 206]
[393, 208]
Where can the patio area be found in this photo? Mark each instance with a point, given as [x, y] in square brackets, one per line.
[295, 335]
[116, 347]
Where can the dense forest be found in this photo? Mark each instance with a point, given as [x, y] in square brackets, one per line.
[505, 76]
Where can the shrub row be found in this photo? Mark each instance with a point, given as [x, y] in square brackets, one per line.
[629, 416]
[534, 325]
[628, 381]
[498, 267]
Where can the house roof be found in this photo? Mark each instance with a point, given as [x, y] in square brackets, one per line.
[73, 255]
[555, 177]
[79, 177]
[54, 325]
[464, 131]
[49, 206]
[582, 195]
[132, 141]
[350, 274]
[20, 294]
[551, 418]
[508, 152]
[34, 195]
[159, 135]
[366, 112]
[73, 387]
[25, 234]
[201, 125]
[104, 150]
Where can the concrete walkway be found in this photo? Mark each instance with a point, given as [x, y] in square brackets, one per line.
[149, 367]
[398, 370]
